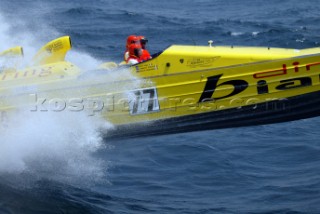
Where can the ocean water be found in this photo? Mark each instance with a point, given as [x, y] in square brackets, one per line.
[61, 164]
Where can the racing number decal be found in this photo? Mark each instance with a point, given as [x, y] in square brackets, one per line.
[143, 101]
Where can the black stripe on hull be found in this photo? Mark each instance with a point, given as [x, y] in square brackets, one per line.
[289, 109]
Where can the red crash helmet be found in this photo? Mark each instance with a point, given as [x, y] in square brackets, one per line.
[135, 50]
[131, 40]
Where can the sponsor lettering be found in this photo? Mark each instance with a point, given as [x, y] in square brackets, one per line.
[262, 84]
[44, 72]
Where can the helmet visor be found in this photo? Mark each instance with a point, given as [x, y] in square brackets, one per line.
[144, 41]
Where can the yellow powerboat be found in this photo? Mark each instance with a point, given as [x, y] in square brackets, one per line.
[183, 88]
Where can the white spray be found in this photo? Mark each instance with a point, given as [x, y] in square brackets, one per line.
[58, 146]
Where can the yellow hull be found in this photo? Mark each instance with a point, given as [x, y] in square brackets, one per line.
[207, 85]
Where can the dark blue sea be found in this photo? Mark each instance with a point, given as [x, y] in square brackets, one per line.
[62, 165]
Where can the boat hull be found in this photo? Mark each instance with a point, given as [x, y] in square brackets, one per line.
[284, 110]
